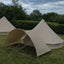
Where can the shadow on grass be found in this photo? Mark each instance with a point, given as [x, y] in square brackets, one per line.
[22, 49]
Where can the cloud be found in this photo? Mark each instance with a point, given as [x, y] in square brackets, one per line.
[28, 7]
[52, 7]
[46, 7]
[38, 1]
[6, 1]
[43, 5]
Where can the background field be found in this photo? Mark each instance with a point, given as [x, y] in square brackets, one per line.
[28, 55]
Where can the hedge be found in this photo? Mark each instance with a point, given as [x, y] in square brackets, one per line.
[26, 24]
[58, 28]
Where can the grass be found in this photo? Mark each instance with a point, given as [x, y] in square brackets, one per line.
[27, 55]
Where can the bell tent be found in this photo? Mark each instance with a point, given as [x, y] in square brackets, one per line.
[5, 26]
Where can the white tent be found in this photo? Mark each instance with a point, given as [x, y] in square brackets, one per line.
[5, 26]
[42, 37]
[46, 34]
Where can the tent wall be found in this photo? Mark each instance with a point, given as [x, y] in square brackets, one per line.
[40, 46]
[27, 41]
[14, 36]
[47, 34]
[5, 26]
[55, 46]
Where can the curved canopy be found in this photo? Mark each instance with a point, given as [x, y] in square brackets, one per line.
[16, 34]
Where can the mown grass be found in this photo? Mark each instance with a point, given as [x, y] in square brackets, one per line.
[27, 55]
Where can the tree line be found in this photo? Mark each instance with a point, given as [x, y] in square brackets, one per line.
[16, 12]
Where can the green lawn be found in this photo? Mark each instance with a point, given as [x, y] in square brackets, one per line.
[27, 55]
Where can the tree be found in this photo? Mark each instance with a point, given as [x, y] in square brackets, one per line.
[15, 2]
[50, 16]
[60, 19]
[36, 15]
[53, 17]
[1, 4]
[12, 12]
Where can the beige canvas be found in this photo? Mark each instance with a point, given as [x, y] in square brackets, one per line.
[47, 35]
[15, 35]
[5, 26]
[41, 47]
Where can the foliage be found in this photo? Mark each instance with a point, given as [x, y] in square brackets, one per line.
[58, 28]
[26, 24]
[15, 2]
[50, 17]
[36, 15]
[13, 11]
[54, 17]
[16, 12]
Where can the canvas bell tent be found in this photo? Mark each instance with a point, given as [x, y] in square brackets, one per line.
[46, 35]
[42, 38]
[5, 26]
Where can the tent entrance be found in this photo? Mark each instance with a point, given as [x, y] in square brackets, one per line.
[27, 41]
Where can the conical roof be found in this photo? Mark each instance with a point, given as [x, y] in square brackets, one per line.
[46, 33]
[5, 25]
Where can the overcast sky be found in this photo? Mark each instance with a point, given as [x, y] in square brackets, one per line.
[43, 5]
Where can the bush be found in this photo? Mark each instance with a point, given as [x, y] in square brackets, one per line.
[25, 24]
[58, 28]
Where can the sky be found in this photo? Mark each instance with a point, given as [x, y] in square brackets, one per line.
[44, 6]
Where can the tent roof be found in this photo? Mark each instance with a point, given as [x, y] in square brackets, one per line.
[47, 35]
[5, 25]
